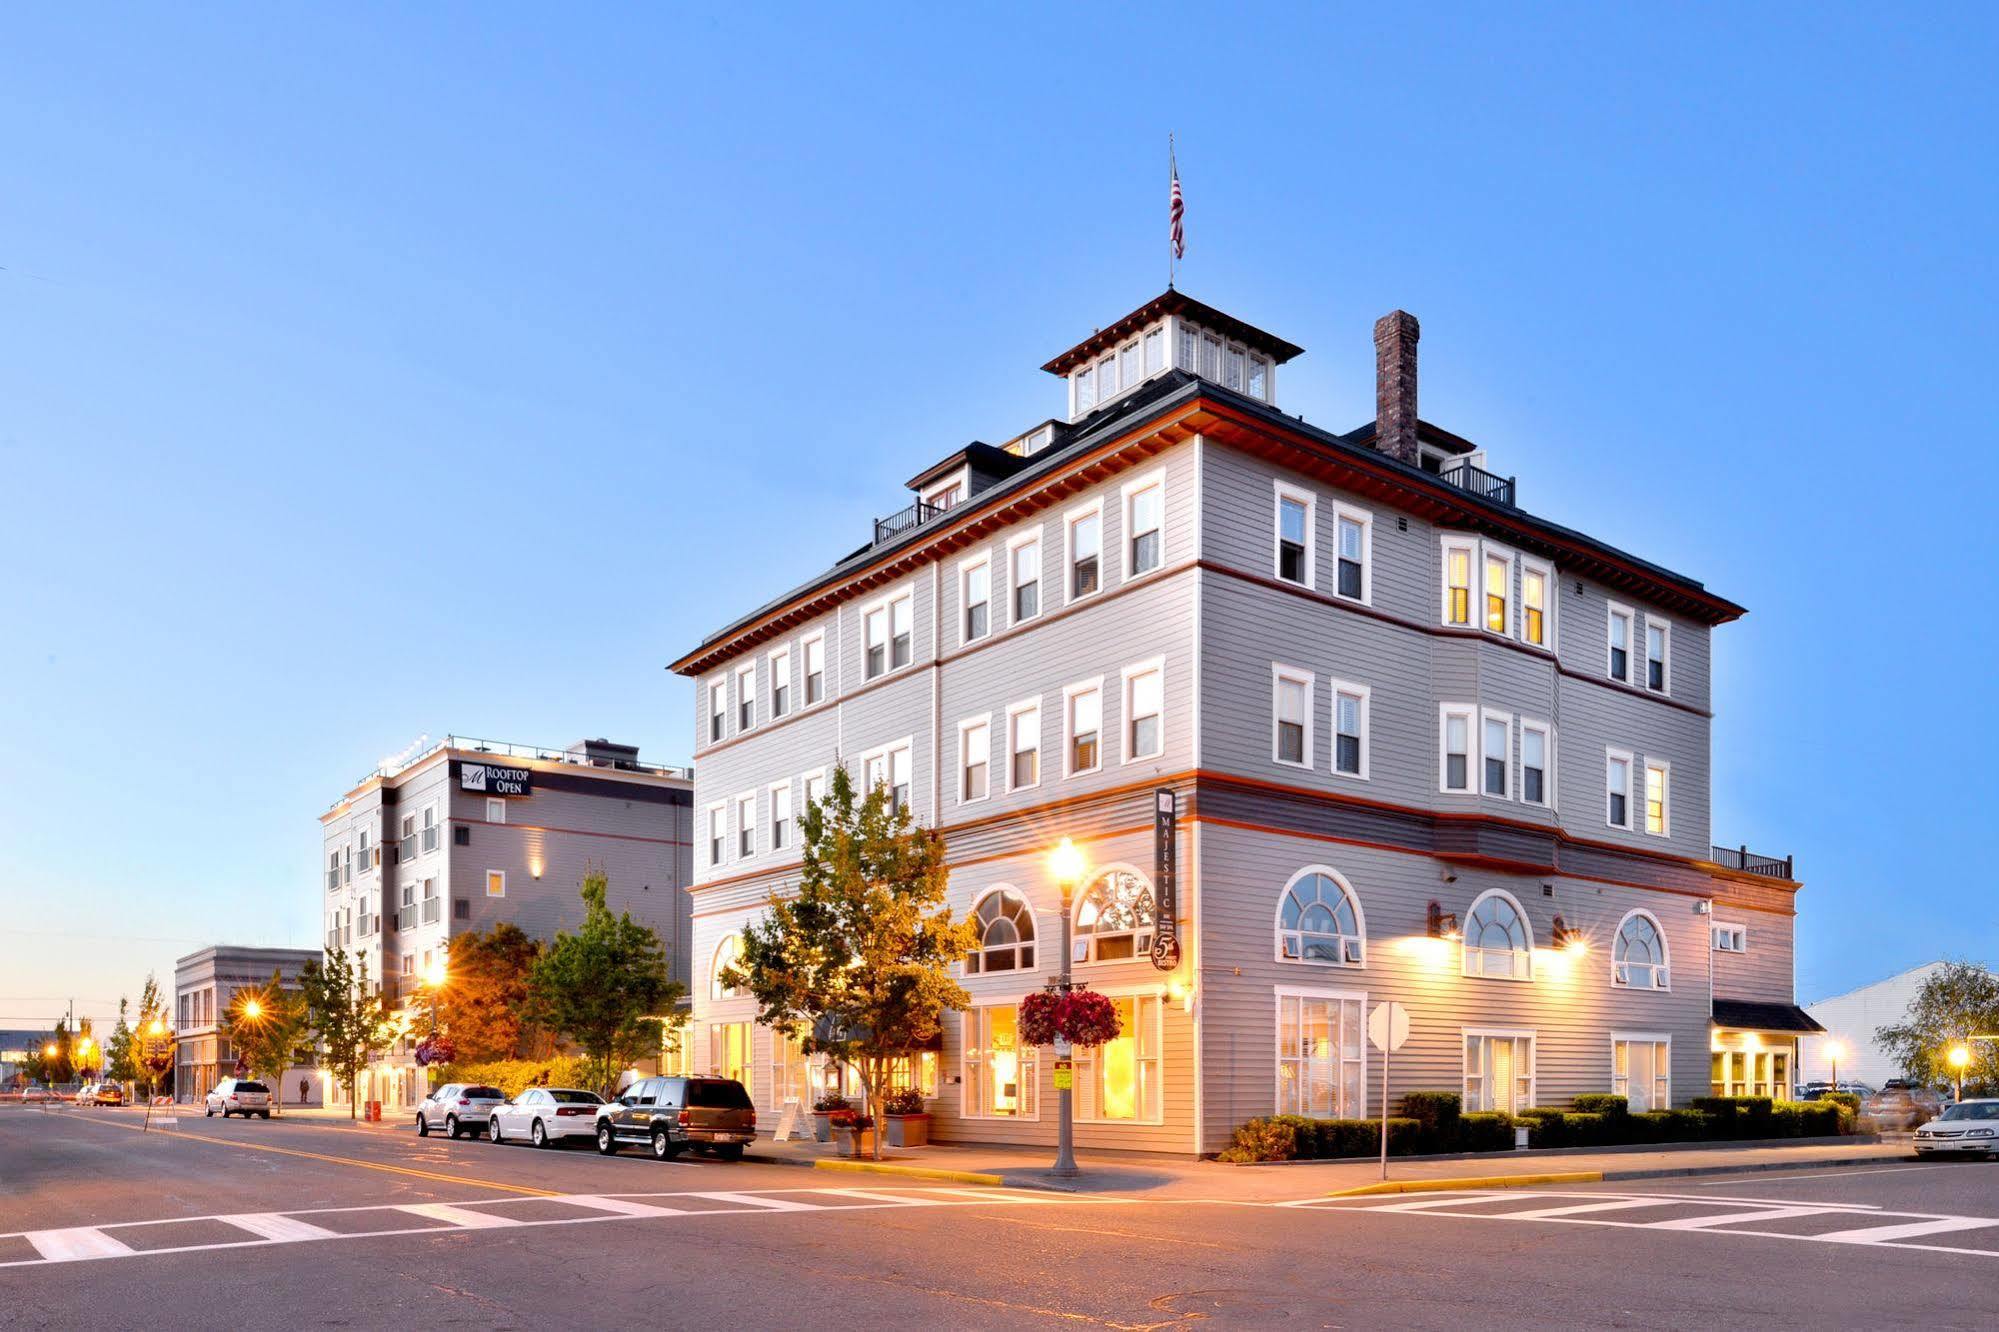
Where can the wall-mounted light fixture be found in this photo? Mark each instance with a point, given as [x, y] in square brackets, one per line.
[1441, 924]
[1569, 940]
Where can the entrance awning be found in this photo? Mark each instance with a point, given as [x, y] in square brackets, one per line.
[1751, 1015]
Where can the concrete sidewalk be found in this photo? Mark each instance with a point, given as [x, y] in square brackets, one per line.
[1169, 1178]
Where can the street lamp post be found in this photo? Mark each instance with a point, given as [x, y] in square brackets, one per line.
[1066, 864]
[1832, 1049]
[1960, 1058]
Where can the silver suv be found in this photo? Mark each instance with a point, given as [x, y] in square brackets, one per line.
[458, 1108]
[240, 1096]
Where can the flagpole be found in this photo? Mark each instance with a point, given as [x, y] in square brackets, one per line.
[1173, 175]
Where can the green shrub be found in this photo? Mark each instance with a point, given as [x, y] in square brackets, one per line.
[1437, 1112]
[1565, 1128]
[514, 1076]
[1304, 1130]
[1602, 1103]
[1814, 1119]
[1652, 1126]
[1851, 1100]
[1262, 1140]
[1485, 1131]
[1362, 1137]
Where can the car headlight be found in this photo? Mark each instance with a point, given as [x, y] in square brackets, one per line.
[1979, 1133]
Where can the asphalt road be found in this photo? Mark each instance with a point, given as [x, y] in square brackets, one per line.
[317, 1225]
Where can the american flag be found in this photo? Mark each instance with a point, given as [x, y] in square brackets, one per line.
[1178, 209]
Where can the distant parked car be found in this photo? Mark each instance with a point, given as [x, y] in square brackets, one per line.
[108, 1093]
[33, 1095]
[239, 1096]
[85, 1094]
[1897, 1109]
[1966, 1128]
[670, 1115]
[547, 1115]
[458, 1108]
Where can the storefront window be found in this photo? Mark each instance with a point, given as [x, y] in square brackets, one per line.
[729, 1051]
[1499, 1071]
[999, 1071]
[1122, 1076]
[787, 1069]
[1319, 1055]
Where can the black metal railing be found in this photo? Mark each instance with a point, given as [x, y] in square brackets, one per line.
[907, 520]
[1742, 858]
[1484, 484]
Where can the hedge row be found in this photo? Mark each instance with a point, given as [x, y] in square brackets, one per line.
[514, 1076]
[1432, 1121]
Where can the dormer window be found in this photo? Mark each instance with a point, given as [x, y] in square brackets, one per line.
[946, 497]
[1086, 391]
[1155, 351]
[1259, 378]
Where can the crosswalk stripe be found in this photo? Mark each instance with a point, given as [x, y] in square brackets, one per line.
[1430, 1204]
[1737, 1218]
[1615, 1205]
[273, 1226]
[1878, 1234]
[622, 1206]
[462, 1217]
[905, 1199]
[76, 1244]
[752, 1200]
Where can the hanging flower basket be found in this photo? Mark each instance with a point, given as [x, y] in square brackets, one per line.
[435, 1049]
[1081, 1017]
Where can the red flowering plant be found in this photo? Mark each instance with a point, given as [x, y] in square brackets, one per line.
[435, 1048]
[1080, 1016]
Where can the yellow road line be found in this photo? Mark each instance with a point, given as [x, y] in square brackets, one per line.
[913, 1172]
[1473, 1182]
[411, 1171]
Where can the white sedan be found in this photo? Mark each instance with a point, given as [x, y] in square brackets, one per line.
[1970, 1127]
[546, 1115]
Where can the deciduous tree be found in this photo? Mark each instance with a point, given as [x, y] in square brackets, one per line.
[485, 1003]
[154, 1039]
[266, 1026]
[347, 1019]
[605, 987]
[1958, 1002]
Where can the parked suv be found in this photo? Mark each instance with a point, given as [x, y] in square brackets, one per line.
[459, 1108]
[240, 1096]
[671, 1114]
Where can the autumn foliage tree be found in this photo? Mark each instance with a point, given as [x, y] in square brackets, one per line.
[485, 1003]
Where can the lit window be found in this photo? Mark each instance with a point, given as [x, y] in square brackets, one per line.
[978, 592]
[780, 816]
[1085, 728]
[1024, 745]
[718, 709]
[1114, 918]
[746, 696]
[1352, 533]
[1006, 934]
[1534, 603]
[746, 825]
[815, 669]
[1534, 763]
[780, 682]
[1498, 584]
[1617, 783]
[1496, 939]
[1318, 921]
[496, 886]
[1620, 644]
[1120, 1078]
[1086, 532]
[1025, 557]
[1144, 515]
[1456, 765]
[999, 1077]
[1638, 958]
[1293, 716]
[974, 757]
[1144, 701]
[1350, 704]
[1657, 812]
[1499, 1071]
[1294, 536]
[1497, 753]
[1320, 1044]
[1457, 584]
[1657, 636]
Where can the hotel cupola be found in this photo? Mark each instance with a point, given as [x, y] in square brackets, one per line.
[1170, 332]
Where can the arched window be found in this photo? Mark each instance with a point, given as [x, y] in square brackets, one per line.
[1318, 920]
[1638, 959]
[1006, 934]
[1114, 917]
[1497, 940]
[727, 954]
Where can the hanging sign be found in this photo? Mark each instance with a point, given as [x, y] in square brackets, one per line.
[1165, 882]
[1065, 1075]
[493, 779]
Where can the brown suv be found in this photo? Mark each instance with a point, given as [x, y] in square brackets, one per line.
[669, 1115]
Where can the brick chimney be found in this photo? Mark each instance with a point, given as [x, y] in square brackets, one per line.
[1395, 336]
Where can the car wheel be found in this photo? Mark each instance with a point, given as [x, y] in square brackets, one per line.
[664, 1148]
[607, 1141]
[422, 1127]
[265, 1115]
[493, 1129]
[537, 1134]
[209, 1111]
[731, 1151]
[451, 1125]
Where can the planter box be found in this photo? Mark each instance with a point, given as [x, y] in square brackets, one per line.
[822, 1126]
[855, 1142]
[908, 1130]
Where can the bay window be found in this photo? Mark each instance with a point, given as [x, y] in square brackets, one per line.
[1497, 752]
[1534, 750]
[1658, 811]
[1498, 587]
[1457, 581]
[1534, 588]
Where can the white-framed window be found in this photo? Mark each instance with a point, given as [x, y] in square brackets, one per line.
[815, 788]
[1144, 524]
[428, 831]
[1726, 937]
[367, 851]
[1211, 357]
[1259, 378]
[998, 1073]
[1638, 957]
[1297, 518]
[975, 588]
[1319, 920]
[1537, 763]
[1321, 1052]
[406, 847]
[787, 1067]
[746, 825]
[1641, 1069]
[814, 649]
[1083, 727]
[1496, 754]
[1291, 715]
[1023, 745]
[1618, 664]
[1085, 529]
[718, 833]
[1119, 1080]
[1537, 606]
[1351, 704]
[496, 884]
[1023, 555]
[778, 667]
[1499, 1069]
[886, 630]
[1658, 647]
[718, 710]
[1459, 555]
[746, 696]
[1114, 917]
[1454, 747]
[1107, 378]
[1617, 788]
[1232, 368]
[729, 1045]
[1144, 711]
[1005, 924]
[1497, 941]
[780, 815]
[1658, 797]
[975, 758]
[1189, 358]
[1353, 549]
[889, 767]
[1497, 584]
[496, 810]
[727, 954]
[1084, 383]
[1155, 351]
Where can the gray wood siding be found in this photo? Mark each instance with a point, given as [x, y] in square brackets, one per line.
[1764, 973]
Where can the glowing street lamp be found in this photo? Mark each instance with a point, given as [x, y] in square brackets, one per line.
[49, 1050]
[253, 1009]
[1960, 1059]
[1834, 1050]
[1066, 867]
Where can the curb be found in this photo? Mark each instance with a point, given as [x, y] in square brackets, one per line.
[1471, 1182]
[909, 1172]
[1762, 1167]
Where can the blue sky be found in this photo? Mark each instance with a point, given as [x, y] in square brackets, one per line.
[369, 376]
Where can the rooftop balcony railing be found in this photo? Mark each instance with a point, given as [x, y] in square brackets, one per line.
[1484, 484]
[504, 749]
[1743, 859]
[905, 520]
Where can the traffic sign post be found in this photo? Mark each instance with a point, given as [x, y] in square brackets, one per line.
[1387, 1029]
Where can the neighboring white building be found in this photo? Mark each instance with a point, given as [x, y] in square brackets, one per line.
[205, 983]
[1852, 1018]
